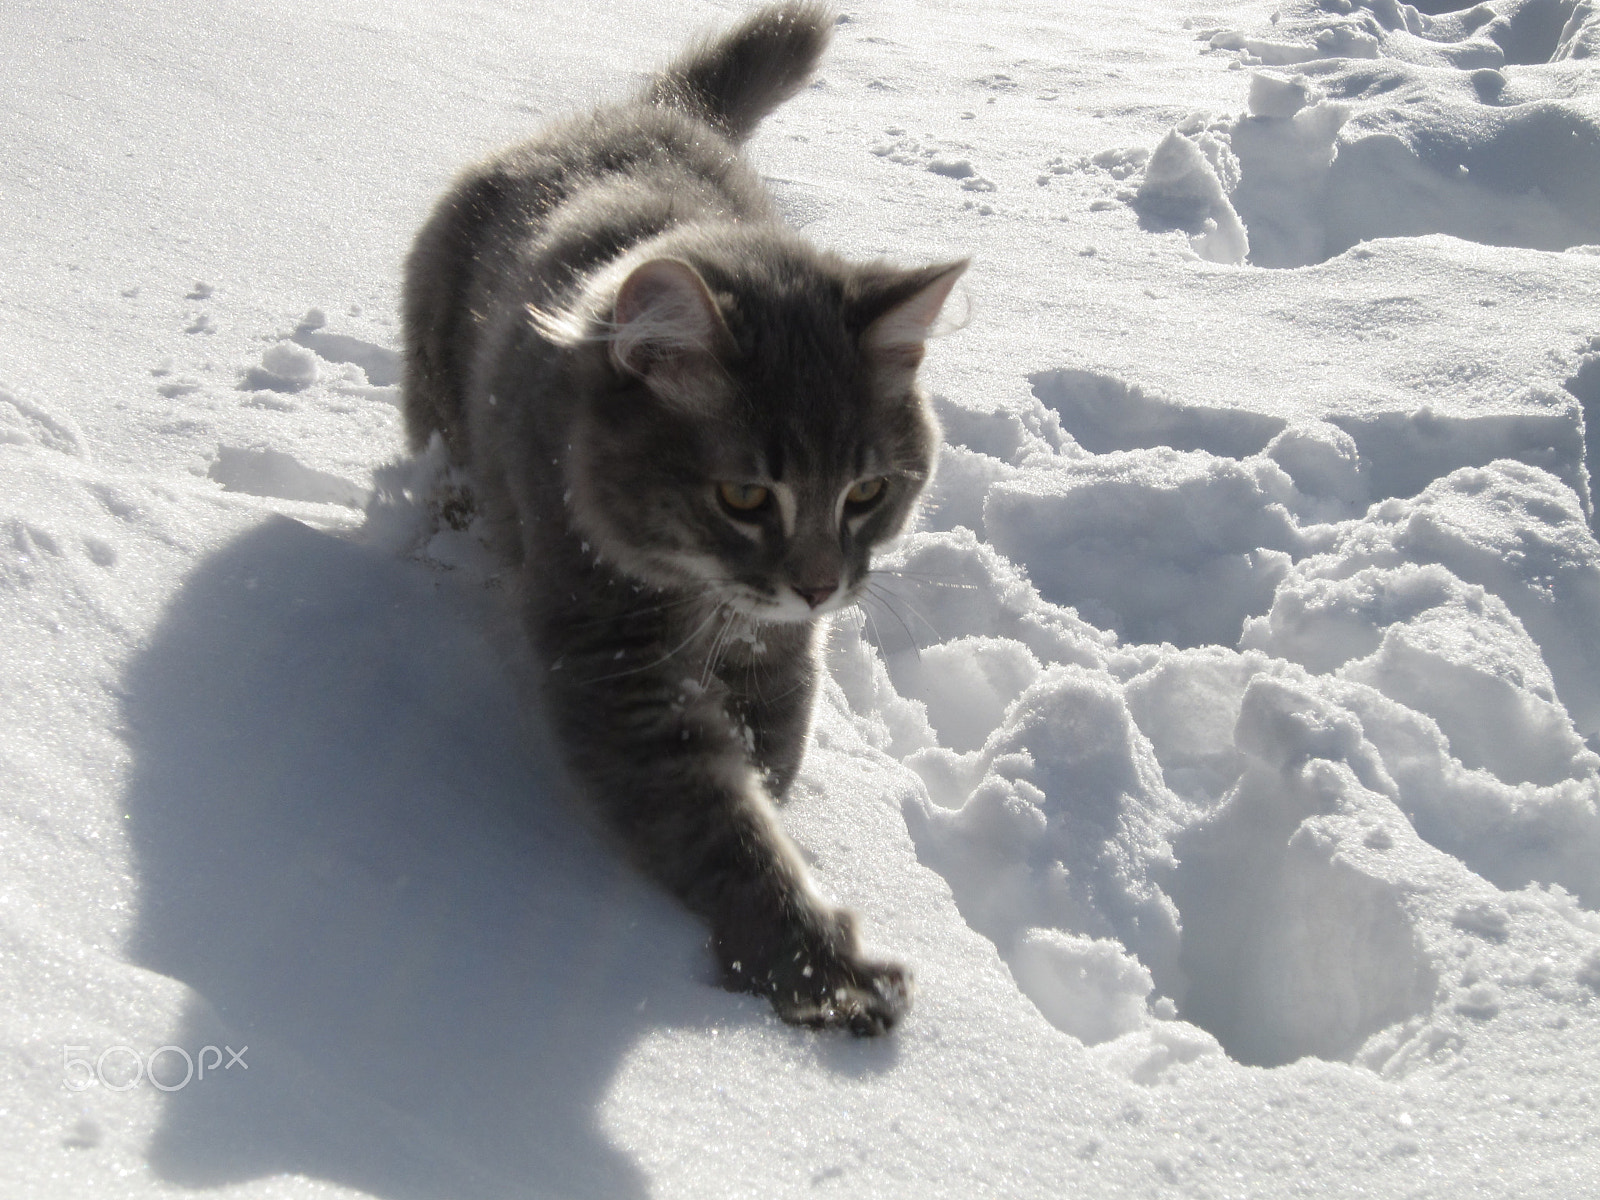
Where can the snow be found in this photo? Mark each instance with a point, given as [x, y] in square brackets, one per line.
[1220, 751]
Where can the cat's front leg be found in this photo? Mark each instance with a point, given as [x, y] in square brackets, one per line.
[803, 954]
[674, 780]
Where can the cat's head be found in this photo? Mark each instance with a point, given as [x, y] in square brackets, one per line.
[752, 424]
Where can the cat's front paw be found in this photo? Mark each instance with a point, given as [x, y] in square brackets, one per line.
[816, 976]
[867, 998]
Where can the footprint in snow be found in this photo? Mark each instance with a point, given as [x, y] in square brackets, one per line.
[312, 355]
[276, 475]
[950, 163]
[380, 364]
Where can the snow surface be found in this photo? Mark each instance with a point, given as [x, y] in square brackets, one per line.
[1220, 751]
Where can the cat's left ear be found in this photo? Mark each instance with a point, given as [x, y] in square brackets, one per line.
[666, 328]
[910, 304]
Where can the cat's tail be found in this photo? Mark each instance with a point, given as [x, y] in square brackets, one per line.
[734, 80]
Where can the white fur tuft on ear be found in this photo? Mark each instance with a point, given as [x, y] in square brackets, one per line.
[898, 335]
[663, 314]
[564, 327]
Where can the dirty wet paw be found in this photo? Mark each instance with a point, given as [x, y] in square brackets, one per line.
[875, 998]
[814, 975]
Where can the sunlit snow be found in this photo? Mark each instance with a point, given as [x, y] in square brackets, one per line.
[1222, 750]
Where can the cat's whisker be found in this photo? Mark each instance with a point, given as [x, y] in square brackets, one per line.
[646, 610]
[788, 691]
[698, 630]
[882, 598]
[752, 681]
[921, 578]
[708, 667]
[915, 611]
[719, 647]
[877, 637]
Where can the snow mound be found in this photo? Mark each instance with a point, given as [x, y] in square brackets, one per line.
[1183, 187]
[1270, 842]
[1396, 122]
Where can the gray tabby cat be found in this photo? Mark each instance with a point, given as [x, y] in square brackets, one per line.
[690, 428]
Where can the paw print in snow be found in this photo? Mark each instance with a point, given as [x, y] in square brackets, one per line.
[912, 153]
[1119, 164]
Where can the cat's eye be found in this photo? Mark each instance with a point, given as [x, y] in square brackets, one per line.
[866, 492]
[743, 499]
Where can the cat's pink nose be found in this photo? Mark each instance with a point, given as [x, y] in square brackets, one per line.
[816, 595]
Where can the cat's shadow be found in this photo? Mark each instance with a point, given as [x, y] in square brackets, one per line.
[349, 845]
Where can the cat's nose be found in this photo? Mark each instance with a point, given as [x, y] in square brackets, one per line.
[816, 595]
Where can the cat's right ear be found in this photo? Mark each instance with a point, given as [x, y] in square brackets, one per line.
[666, 328]
[901, 312]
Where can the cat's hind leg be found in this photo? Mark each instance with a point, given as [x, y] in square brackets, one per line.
[437, 329]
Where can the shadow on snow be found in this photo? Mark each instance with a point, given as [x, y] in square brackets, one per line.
[352, 849]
